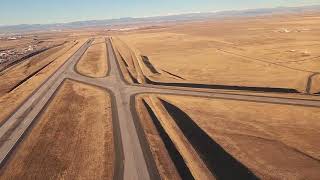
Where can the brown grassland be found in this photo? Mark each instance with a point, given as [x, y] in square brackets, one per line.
[72, 139]
[73, 136]
[276, 51]
[272, 140]
[163, 162]
[93, 63]
[11, 95]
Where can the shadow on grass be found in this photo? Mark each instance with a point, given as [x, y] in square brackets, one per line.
[218, 161]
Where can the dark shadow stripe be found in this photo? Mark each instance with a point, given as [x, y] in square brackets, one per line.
[134, 80]
[144, 143]
[124, 61]
[173, 74]
[149, 65]
[310, 82]
[217, 160]
[176, 157]
[214, 86]
[28, 77]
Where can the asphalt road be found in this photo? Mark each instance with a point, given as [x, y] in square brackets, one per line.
[133, 161]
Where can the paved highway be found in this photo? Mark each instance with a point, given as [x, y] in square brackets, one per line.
[132, 162]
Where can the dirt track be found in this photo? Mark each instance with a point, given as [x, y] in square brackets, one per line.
[132, 163]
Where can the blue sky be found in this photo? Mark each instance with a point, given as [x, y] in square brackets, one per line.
[45, 11]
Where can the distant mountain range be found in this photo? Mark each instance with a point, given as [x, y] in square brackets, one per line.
[155, 20]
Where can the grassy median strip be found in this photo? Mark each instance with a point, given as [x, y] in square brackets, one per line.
[94, 61]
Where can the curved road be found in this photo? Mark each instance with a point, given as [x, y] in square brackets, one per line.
[132, 162]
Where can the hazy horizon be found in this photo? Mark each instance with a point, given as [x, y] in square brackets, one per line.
[43, 12]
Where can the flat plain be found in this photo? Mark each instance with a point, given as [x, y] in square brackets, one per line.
[232, 98]
[275, 51]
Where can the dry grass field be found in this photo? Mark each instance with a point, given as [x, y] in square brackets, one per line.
[276, 51]
[16, 49]
[94, 61]
[18, 82]
[274, 141]
[164, 164]
[129, 62]
[271, 64]
[72, 139]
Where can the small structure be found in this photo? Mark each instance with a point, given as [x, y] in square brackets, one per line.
[12, 38]
[2, 61]
[3, 55]
[30, 48]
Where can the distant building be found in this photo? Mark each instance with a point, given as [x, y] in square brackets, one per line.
[2, 61]
[12, 38]
[3, 54]
[30, 48]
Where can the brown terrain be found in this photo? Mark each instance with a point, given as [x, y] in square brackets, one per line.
[279, 52]
[235, 98]
[72, 139]
[93, 63]
[272, 140]
[18, 82]
[16, 49]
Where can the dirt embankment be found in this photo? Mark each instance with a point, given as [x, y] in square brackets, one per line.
[72, 139]
[130, 63]
[220, 162]
[313, 84]
[245, 138]
[177, 147]
[94, 61]
[168, 160]
[256, 134]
